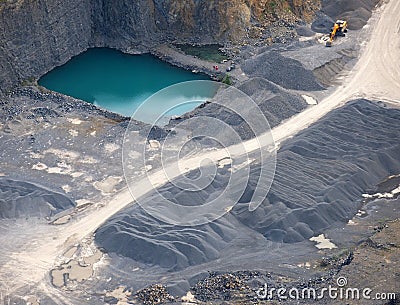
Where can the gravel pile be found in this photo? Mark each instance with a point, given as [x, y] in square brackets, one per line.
[279, 32]
[19, 199]
[242, 287]
[326, 63]
[322, 23]
[357, 13]
[276, 103]
[321, 174]
[286, 72]
[153, 295]
[223, 286]
[304, 30]
[171, 247]
[323, 171]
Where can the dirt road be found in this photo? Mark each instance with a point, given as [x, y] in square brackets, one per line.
[376, 75]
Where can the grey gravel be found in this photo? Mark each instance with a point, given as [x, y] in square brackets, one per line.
[286, 72]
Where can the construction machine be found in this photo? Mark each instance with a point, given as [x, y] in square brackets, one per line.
[339, 29]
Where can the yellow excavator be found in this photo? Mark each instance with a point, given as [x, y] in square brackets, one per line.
[339, 29]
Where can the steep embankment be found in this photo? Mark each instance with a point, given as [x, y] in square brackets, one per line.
[35, 36]
[38, 35]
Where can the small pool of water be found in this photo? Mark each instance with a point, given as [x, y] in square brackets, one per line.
[121, 82]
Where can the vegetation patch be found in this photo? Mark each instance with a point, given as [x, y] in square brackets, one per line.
[209, 52]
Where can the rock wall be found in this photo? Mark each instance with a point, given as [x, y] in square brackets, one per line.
[37, 35]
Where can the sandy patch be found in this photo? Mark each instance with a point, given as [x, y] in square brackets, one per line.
[32, 300]
[73, 133]
[361, 213]
[323, 242]
[39, 166]
[62, 220]
[305, 38]
[62, 169]
[74, 121]
[72, 271]
[134, 154]
[35, 155]
[388, 195]
[309, 100]
[89, 160]
[66, 188]
[189, 298]
[120, 293]
[224, 162]
[243, 164]
[108, 185]
[111, 147]
[70, 252]
[306, 265]
[63, 154]
[88, 179]
[83, 206]
[76, 270]
[154, 144]
[2, 175]
[56, 170]
[80, 203]
[76, 174]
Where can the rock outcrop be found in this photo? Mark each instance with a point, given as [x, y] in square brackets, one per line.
[36, 36]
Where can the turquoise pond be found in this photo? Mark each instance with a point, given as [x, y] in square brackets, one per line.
[121, 82]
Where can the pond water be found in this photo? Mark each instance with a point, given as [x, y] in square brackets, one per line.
[121, 82]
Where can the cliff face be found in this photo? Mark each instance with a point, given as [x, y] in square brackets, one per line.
[229, 19]
[36, 35]
[124, 23]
